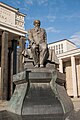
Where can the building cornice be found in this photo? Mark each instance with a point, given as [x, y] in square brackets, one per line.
[11, 8]
[62, 41]
[13, 29]
[74, 52]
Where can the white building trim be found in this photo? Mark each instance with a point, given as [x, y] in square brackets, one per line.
[61, 65]
[74, 77]
[70, 65]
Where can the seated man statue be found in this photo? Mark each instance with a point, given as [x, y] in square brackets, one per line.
[38, 48]
[38, 44]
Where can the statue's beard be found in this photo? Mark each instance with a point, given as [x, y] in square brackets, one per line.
[36, 28]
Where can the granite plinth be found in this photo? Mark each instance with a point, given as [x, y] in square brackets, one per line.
[37, 93]
[5, 115]
[29, 64]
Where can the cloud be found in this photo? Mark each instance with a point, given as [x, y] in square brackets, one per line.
[75, 38]
[42, 2]
[29, 2]
[52, 29]
[48, 18]
[72, 16]
[32, 18]
[22, 4]
[51, 18]
[39, 2]
[18, 2]
[15, 3]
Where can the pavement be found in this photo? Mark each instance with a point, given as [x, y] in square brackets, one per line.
[75, 115]
[3, 105]
[76, 103]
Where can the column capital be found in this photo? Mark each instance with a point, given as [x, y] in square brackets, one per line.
[72, 56]
[5, 32]
[22, 38]
[60, 58]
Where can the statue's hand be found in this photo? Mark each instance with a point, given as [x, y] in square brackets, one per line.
[37, 45]
[29, 46]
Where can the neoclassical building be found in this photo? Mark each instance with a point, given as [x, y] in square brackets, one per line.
[69, 63]
[12, 34]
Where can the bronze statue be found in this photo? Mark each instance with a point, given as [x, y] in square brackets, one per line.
[38, 48]
[38, 44]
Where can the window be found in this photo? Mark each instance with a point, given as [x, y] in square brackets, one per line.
[56, 47]
[61, 46]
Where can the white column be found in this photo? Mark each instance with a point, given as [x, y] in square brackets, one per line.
[74, 77]
[61, 65]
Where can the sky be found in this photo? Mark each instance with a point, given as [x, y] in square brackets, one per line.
[60, 18]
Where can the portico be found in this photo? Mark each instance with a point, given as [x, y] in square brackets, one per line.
[70, 65]
[12, 34]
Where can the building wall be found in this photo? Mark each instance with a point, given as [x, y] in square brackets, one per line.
[0, 81]
[78, 74]
[58, 47]
[12, 32]
[68, 73]
[7, 16]
[62, 46]
[70, 46]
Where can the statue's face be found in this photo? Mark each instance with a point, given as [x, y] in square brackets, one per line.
[37, 24]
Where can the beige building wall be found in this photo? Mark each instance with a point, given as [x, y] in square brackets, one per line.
[68, 70]
[69, 63]
[69, 45]
[78, 74]
[0, 80]
[71, 67]
[12, 34]
[62, 46]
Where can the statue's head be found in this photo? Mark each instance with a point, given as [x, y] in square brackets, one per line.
[37, 22]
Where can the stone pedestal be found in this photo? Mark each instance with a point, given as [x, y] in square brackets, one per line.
[38, 94]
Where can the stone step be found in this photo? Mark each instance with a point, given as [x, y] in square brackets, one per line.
[32, 77]
[39, 75]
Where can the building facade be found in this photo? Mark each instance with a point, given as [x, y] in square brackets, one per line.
[62, 46]
[12, 34]
[69, 63]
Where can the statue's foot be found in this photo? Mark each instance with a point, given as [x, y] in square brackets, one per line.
[36, 66]
[41, 66]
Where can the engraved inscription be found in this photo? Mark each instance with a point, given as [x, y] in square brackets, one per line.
[7, 16]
